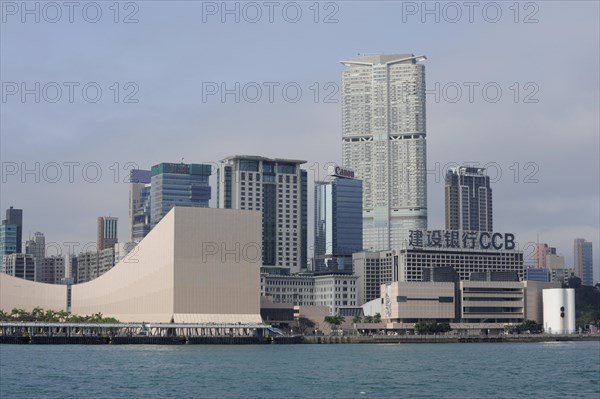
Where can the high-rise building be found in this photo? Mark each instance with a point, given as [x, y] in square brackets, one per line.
[178, 184]
[338, 221]
[468, 199]
[50, 270]
[8, 242]
[383, 135]
[278, 189]
[107, 232]
[87, 266]
[15, 216]
[139, 204]
[20, 265]
[546, 258]
[36, 246]
[583, 262]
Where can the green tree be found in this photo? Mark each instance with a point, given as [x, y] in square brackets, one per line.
[356, 319]
[574, 282]
[334, 321]
[305, 324]
[377, 318]
[433, 327]
[368, 319]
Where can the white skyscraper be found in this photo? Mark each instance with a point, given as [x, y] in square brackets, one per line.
[383, 134]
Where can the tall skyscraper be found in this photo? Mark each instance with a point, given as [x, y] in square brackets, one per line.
[278, 189]
[178, 184]
[583, 262]
[107, 232]
[139, 204]
[468, 200]
[8, 242]
[15, 216]
[36, 247]
[383, 135]
[338, 221]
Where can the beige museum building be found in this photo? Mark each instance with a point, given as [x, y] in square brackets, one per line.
[198, 265]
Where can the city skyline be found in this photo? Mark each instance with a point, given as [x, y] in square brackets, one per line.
[524, 142]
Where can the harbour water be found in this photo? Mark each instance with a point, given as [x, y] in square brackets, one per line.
[486, 370]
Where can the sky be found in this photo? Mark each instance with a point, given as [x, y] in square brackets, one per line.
[93, 89]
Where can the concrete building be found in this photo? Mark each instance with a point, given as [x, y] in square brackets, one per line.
[296, 290]
[178, 184]
[468, 200]
[182, 275]
[383, 141]
[561, 275]
[8, 242]
[492, 301]
[471, 307]
[554, 261]
[583, 261]
[15, 217]
[338, 221]
[139, 204]
[106, 261]
[534, 299]
[36, 246]
[373, 269]
[415, 301]
[428, 256]
[107, 232]
[333, 291]
[51, 270]
[466, 251]
[20, 265]
[278, 189]
[540, 252]
[87, 266]
[91, 265]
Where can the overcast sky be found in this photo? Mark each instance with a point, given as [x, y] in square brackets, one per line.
[162, 73]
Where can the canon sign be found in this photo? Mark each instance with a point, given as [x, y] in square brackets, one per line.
[341, 172]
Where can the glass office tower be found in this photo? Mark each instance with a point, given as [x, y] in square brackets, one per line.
[338, 224]
[178, 184]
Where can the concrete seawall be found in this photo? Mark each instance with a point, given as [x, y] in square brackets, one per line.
[232, 340]
[443, 339]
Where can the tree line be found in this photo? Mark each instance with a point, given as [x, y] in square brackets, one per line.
[50, 316]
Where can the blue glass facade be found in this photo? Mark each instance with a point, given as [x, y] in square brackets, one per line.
[537, 274]
[178, 185]
[8, 242]
[338, 224]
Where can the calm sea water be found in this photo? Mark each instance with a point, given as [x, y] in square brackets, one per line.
[503, 370]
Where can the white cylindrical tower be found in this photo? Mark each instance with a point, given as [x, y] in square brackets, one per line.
[559, 310]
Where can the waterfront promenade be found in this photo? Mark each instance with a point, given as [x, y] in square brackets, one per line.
[236, 334]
